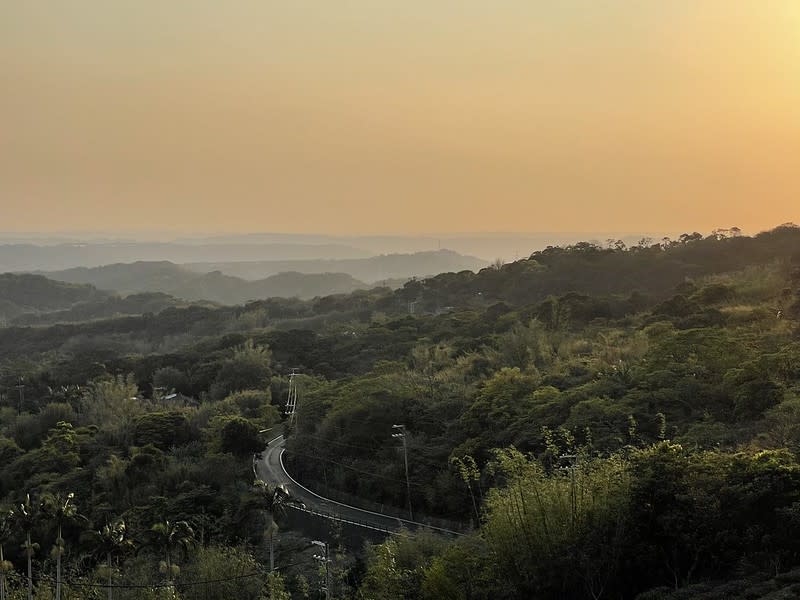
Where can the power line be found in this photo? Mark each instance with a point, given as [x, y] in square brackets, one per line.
[328, 441]
[361, 471]
[456, 492]
[356, 469]
[155, 585]
[417, 458]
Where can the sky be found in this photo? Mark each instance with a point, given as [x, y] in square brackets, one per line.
[413, 116]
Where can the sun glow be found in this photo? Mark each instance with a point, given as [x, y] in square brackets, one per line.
[612, 115]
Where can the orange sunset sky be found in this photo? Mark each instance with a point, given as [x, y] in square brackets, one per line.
[376, 116]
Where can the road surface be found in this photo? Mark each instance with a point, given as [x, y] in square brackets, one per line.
[270, 468]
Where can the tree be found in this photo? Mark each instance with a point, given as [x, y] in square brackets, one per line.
[276, 589]
[248, 369]
[168, 379]
[60, 509]
[396, 568]
[238, 436]
[216, 564]
[469, 473]
[274, 498]
[255, 404]
[462, 572]
[6, 529]
[169, 537]
[112, 540]
[162, 429]
[503, 400]
[114, 402]
[26, 516]
[544, 528]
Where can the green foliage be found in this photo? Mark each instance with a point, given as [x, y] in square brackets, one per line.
[610, 355]
[248, 369]
[169, 539]
[460, 572]
[24, 293]
[255, 404]
[170, 379]
[396, 569]
[8, 450]
[238, 436]
[276, 588]
[162, 429]
[573, 515]
[218, 564]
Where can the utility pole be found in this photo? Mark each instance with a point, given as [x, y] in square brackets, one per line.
[573, 458]
[291, 400]
[401, 434]
[323, 558]
[21, 388]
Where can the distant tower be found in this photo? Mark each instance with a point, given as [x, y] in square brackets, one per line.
[291, 401]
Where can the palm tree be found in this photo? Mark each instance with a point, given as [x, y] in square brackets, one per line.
[25, 516]
[60, 509]
[6, 529]
[112, 540]
[274, 499]
[168, 537]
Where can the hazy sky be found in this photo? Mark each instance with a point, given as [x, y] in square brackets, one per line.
[374, 116]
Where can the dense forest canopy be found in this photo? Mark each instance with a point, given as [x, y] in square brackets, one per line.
[20, 294]
[213, 286]
[606, 422]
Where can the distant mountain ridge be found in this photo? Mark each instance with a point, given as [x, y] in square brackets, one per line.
[180, 282]
[286, 279]
[375, 269]
[32, 257]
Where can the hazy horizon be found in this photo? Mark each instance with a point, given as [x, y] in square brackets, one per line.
[225, 249]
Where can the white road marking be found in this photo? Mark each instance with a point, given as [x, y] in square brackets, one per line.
[364, 510]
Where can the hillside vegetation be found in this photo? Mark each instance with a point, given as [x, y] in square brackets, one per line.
[376, 269]
[20, 294]
[168, 278]
[609, 422]
[105, 308]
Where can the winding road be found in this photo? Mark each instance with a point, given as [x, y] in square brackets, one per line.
[271, 469]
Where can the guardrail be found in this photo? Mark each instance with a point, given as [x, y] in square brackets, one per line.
[402, 522]
[386, 510]
[337, 518]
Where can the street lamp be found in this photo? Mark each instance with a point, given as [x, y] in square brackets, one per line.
[21, 388]
[401, 435]
[573, 463]
[323, 558]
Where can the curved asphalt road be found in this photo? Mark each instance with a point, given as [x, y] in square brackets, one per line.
[270, 468]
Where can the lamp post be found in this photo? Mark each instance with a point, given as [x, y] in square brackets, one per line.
[323, 558]
[21, 388]
[573, 463]
[401, 435]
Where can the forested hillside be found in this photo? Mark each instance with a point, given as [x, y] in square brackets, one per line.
[106, 307]
[172, 279]
[21, 294]
[607, 422]
[372, 269]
